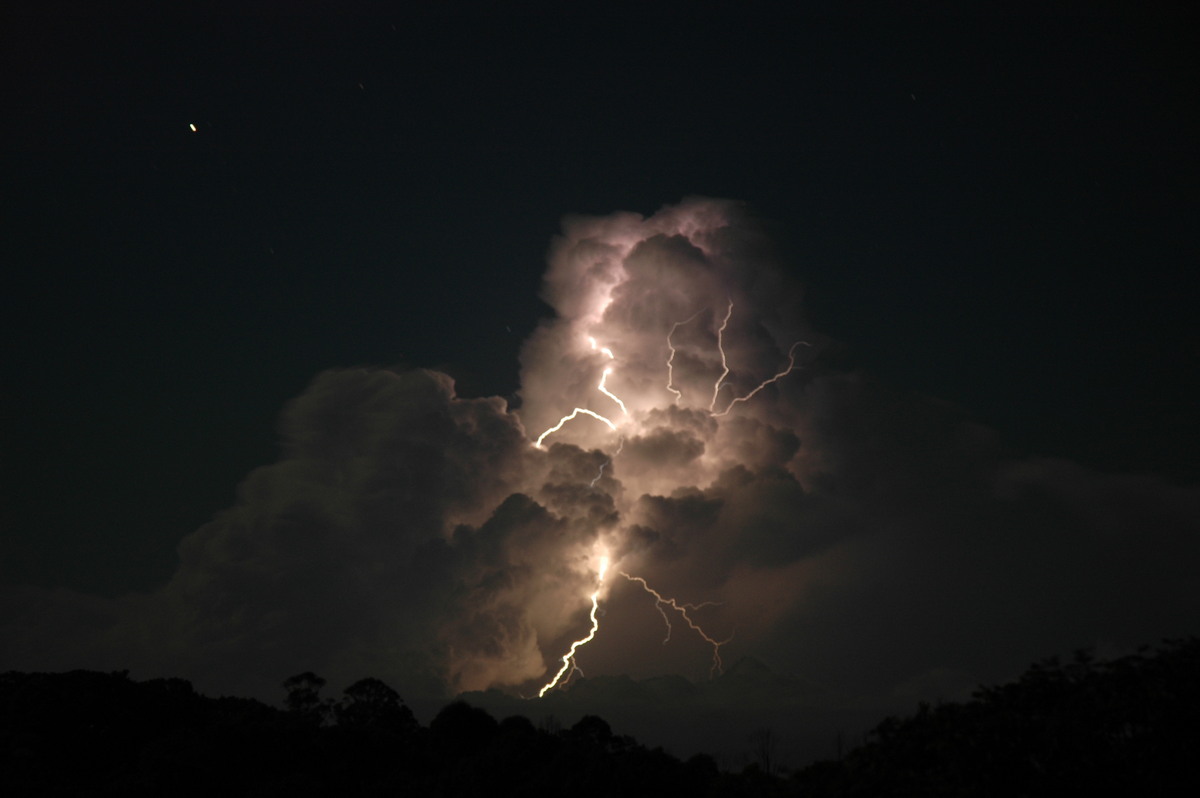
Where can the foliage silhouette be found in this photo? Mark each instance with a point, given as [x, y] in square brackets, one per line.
[304, 700]
[369, 703]
[463, 729]
[1124, 726]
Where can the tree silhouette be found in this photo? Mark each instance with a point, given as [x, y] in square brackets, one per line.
[369, 703]
[1125, 726]
[763, 743]
[463, 729]
[304, 697]
[593, 729]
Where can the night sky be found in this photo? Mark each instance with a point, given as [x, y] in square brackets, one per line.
[990, 219]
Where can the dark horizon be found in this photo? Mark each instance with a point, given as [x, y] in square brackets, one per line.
[1083, 723]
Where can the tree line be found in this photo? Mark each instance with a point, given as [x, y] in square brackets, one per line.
[1124, 726]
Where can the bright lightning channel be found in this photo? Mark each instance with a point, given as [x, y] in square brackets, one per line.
[600, 473]
[604, 350]
[671, 360]
[790, 368]
[602, 387]
[604, 376]
[568, 660]
[660, 601]
[569, 665]
[724, 363]
[610, 394]
[574, 413]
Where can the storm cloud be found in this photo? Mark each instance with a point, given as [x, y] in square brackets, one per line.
[882, 544]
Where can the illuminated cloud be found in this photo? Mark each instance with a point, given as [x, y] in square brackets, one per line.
[848, 534]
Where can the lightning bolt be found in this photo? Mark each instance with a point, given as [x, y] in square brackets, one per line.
[671, 360]
[568, 659]
[790, 368]
[574, 413]
[602, 349]
[610, 394]
[660, 602]
[724, 364]
[604, 376]
[602, 387]
[600, 473]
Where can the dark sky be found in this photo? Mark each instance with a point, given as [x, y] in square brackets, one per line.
[995, 210]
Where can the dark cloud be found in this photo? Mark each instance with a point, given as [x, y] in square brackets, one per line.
[353, 552]
[880, 544]
[660, 450]
[755, 445]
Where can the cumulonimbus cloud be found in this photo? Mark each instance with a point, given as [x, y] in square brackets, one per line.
[841, 529]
